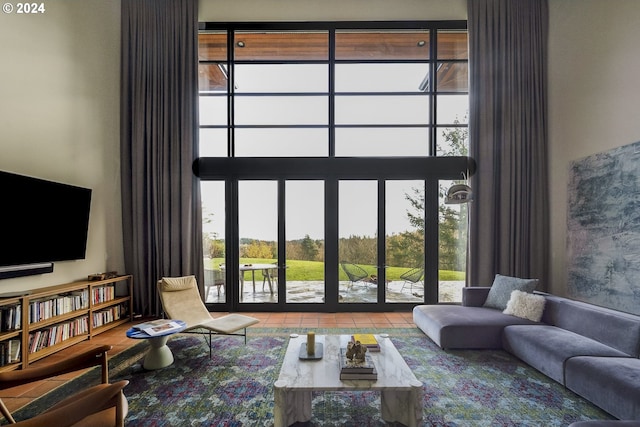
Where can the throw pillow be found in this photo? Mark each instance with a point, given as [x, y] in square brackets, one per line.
[525, 305]
[503, 286]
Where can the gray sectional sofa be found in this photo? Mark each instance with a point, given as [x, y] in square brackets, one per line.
[591, 350]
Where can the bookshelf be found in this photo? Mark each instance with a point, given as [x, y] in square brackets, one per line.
[46, 320]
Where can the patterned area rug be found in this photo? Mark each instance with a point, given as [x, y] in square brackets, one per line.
[234, 387]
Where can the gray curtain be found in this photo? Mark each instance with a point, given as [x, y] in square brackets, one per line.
[159, 129]
[509, 218]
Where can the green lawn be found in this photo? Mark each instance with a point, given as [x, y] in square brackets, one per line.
[314, 270]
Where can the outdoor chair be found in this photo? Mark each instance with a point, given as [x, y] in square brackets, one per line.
[213, 278]
[270, 276]
[102, 405]
[355, 273]
[181, 301]
[412, 276]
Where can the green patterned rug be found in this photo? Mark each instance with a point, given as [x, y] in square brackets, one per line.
[234, 387]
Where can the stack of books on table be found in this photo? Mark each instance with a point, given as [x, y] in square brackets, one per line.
[361, 370]
[367, 340]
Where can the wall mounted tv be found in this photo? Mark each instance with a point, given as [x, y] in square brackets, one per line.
[40, 222]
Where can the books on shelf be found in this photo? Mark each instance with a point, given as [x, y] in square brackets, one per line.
[9, 352]
[45, 308]
[48, 337]
[360, 370]
[157, 327]
[10, 317]
[368, 340]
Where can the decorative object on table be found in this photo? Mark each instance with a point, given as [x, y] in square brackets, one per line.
[356, 351]
[311, 343]
[352, 368]
[311, 350]
[367, 340]
[103, 276]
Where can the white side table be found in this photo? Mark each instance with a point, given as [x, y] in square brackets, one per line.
[159, 354]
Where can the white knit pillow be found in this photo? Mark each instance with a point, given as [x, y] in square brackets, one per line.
[525, 305]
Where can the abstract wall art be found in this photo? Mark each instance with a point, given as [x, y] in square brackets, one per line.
[603, 229]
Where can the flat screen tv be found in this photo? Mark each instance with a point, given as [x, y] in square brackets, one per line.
[41, 221]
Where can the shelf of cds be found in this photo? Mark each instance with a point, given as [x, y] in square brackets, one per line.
[46, 320]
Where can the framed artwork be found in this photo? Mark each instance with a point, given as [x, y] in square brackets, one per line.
[603, 229]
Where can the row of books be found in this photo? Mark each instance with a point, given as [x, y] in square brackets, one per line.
[103, 294]
[53, 335]
[10, 318]
[357, 370]
[108, 315]
[9, 352]
[46, 308]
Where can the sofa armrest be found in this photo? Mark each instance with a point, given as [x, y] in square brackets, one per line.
[474, 296]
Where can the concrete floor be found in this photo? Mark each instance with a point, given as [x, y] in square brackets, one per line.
[313, 292]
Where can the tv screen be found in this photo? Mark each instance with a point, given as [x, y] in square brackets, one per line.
[41, 221]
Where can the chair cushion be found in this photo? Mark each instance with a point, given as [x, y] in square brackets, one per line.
[172, 284]
[502, 287]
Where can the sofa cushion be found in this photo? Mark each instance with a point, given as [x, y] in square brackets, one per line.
[612, 383]
[546, 347]
[503, 286]
[525, 305]
[613, 328]
[454, 326]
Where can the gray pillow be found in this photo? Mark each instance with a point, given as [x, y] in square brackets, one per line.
[502, 287]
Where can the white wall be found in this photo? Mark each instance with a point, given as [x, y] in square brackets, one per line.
[594, 96]
[59, 118]
[330, 10]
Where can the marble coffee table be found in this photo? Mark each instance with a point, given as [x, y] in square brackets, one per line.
[400, 391]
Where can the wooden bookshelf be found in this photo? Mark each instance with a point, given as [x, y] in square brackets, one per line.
[46, 320]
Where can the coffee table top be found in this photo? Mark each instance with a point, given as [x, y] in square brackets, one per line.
[324, 374]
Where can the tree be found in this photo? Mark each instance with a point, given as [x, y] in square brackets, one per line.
[452, 236]
[309, 248]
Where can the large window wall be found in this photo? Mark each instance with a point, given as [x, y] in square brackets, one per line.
[331, 144]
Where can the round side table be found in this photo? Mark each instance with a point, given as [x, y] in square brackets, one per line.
[159, 354]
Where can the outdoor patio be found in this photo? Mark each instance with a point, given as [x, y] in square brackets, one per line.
[312, 292]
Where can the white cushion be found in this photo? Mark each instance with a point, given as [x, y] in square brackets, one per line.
[525, 305]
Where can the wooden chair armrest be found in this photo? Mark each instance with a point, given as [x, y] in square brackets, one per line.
[91, 357]
[74, 412]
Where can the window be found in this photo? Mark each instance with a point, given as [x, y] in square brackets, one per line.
[327, 114]
[320, 92]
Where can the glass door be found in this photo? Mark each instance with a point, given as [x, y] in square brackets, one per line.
[305, 237]
[257, 242]
[404, 241]
[358, 241]
[213, 240]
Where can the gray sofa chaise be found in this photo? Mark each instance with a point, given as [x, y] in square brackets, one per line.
[591, 350]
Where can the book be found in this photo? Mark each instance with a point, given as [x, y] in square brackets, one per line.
[350, 367]
[368, 340]
[359, 376]
[151, 323]
[157, 327]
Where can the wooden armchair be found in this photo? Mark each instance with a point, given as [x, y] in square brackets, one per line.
[97, 406]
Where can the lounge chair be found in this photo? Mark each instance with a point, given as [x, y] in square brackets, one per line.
[181, 301]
